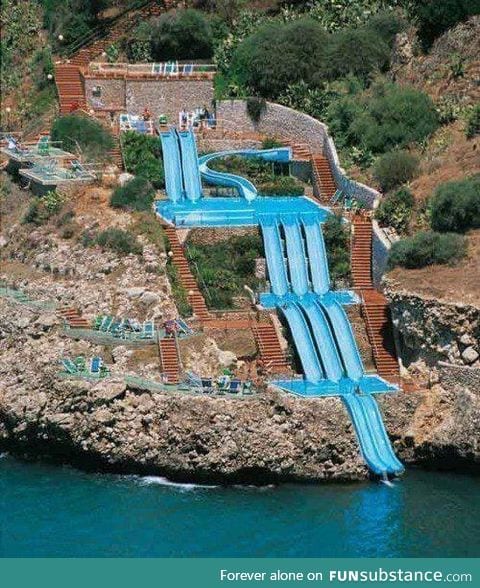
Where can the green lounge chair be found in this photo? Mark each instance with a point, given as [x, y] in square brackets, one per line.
[97, 322]
[95, 365]
[68, 366]
[107, 323]
[336, 197]
[148, 330]
[81, 364]
[43, 145]
[163, 119]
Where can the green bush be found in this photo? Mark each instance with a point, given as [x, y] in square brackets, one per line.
[119, 241]
[42, 209]
[383, 118]
[224, 267]
[455, 206]
[281, 186]
[279, 54]
[272, 143]
[142, 156]
[41, 65]
[395, 210]
[434, 17]
[179, 293]
[394, 169]
[81, 134]
[137, 194]
[472, 128]
[358, 52]
[255, 108]
[337, 240]
[427, 248]
[182, 34]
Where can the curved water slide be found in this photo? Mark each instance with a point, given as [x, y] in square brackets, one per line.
[304, 342]
[325, 342]
[317, 256]
[245, 188]
[297, 262]
[173, 165]
[373, 439]
[191, 173]
[274, 254]
[343, 333]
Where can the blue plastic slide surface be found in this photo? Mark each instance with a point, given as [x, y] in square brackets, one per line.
[374, 442]
[304, 342]
[324, 338]
[317, 256]
[296, 255]
[191, 173]
[274, 255]
[245, 188]
[343, 333]
[173, 167]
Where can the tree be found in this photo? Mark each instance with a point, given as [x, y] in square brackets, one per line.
[83, 135]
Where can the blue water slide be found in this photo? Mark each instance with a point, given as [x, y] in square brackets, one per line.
[245, 188]
[304, 342]
[297, 262]
[385, 448]
[191, 173]
[324, 339]
[173, 165]
[317, 256]
[343, 333]
[372, 436]
[274, 255]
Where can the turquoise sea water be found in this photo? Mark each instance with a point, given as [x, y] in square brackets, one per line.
[58, 511]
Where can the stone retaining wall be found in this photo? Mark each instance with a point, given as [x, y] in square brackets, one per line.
[451, 376]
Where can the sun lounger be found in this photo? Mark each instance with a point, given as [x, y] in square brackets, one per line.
[247, 388]
[80, 363]
[95, 365]
[69, 366]
[97, 322]
[107, 323]
[148, 330]
[13, 145]
[157, 69]
[43, 145]
[187, 69]
[336, 197]
[141, 126]
[235, 386]
[207, 384]
[183, 327]
[193, 380]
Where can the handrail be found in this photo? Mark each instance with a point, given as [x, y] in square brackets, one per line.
[159, 69]
[102, 29]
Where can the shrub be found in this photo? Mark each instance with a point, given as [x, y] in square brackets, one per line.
[41, 66]
[137, 194]
[472, 128]
[358, 52]
[385, 117]
[337, 239]
[279, 54]
[142, 156]
[82, 134]
[183, 34]
[455, 206]
[138, 47]
[119, 241]
[395, 210]
[282, 186]
[271, 143]
[255, 108]
[179, 293]
[426, 248]
[435, 17]
[394, 169]
[42, 209]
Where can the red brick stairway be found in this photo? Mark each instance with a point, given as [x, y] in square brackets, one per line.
[195, 297]
[70, 87]
[272, 354]
[323, 177]
[73, 318]
[362, 253]
[169, 360]
[375, 308]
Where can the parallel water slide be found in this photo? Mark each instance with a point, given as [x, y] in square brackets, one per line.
[298, 273]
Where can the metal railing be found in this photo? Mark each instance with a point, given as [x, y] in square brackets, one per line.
[165, 69]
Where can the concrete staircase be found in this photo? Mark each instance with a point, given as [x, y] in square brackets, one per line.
[195, 297]
[70, 88]
[73, 318]
[323, 178]
[362, 253]
[170, 362]
[272, 354]
[375, 310]
[377, 317]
